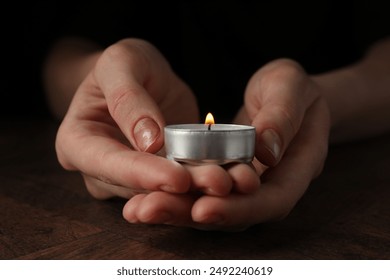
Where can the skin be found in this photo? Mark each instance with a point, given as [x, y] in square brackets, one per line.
[121, 98]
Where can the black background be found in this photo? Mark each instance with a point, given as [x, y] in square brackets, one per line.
[214, 46]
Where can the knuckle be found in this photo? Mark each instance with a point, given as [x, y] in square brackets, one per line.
[134, 52]
[118, 98]
[278, 74]
[115, 51]
[136, 42]
[286, 68]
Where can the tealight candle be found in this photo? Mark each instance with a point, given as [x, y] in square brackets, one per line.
[209, 143]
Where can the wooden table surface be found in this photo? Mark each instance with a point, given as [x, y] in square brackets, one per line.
[46, 213]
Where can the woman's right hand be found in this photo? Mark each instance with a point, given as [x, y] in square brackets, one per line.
[113, 128]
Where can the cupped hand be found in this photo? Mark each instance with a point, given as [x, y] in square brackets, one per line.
[114, 125]
[292, 126]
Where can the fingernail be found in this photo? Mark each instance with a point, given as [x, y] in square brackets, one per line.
[146, 132]
[271, 142]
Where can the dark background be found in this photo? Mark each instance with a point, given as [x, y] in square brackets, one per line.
[215, 47]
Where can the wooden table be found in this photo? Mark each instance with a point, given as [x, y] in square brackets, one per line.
[46, 213]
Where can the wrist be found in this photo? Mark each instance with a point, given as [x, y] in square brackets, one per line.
[343, 90]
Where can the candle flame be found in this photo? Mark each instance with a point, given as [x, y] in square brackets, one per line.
[209, 119]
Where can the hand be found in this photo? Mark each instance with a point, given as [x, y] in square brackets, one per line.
[113, 128]
[114, 125]
[292, 129]
[292, 126]
[205, 206]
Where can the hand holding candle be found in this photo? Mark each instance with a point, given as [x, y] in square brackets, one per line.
[99, 137]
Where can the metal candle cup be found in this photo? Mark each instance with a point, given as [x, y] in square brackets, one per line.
[209, 143]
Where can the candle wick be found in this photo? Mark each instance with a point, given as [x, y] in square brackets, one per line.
[209, 127]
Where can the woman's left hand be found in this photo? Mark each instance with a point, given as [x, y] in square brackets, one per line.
[292, 128]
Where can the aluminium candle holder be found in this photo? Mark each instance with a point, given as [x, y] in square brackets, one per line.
[200, 144]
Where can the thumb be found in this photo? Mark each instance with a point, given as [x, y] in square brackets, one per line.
[277, 98]
[138, 117]
[135, 112]
[121, 74]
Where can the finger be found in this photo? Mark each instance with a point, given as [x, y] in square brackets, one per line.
[270, 202]
[210, 179]
[92, 152]
[159, 208]
[244, 178]
[237, 210]
[277, 98]
[218, 180]
[129, 211]
[124, 73]
[101, 190]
